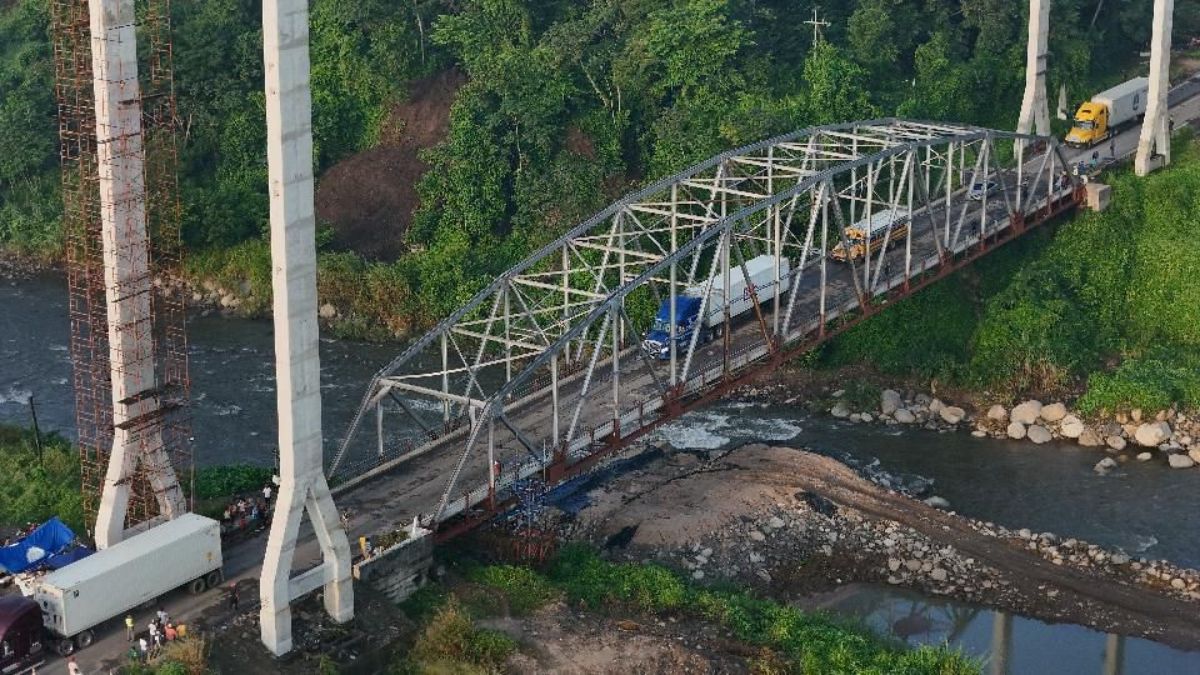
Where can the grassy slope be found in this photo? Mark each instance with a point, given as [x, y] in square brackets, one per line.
[1056, 311]
[793, 641]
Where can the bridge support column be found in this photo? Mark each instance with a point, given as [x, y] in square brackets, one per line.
[1154, 146]
[303, 487]
[126, 249]
[1035, 109]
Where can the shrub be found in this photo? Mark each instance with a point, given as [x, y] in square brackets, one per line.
[451, 637]
[213, 482]
[523, 589]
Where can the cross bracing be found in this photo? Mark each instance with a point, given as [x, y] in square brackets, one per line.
[545, 366]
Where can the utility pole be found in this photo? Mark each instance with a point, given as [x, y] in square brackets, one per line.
[817, 25]
[1035, 109]
[302, 487]
[1154, 145]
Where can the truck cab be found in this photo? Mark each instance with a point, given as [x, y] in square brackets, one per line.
[22, 637]
[657, 342]
[1091, 125]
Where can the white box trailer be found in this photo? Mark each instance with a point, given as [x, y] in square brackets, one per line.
[108, 583]
[762, 278]
[1126, 101]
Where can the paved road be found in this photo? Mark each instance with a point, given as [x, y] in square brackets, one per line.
[391, 500]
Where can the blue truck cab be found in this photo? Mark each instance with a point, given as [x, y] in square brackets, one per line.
[657, 342]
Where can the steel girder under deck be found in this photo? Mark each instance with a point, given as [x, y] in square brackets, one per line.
[540, 373]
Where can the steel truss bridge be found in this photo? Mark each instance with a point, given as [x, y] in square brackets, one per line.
[542, 374]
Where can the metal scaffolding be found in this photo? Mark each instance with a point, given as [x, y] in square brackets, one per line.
[121, 225]
[543, 371]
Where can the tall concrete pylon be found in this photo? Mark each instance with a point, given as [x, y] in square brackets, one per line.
[303, 487]
[120, 155]
[1035, 108]
[1154, 146]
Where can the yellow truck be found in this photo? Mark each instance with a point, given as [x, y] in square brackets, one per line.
[1108, 112]
[869, 234]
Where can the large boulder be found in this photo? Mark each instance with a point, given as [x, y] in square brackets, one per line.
[840, 410]
[1194, 453]
[1115, 442]
[1026, 413]
[952, 414]
[1053, 412]
[1090, 439]
[1180, 461]
[1016, 430]
[936, 405]
[997, 413]
[1038, 434]
[1105, 465]
[1070, 427]
[1151, 434]
[889, 401]
[904, 416]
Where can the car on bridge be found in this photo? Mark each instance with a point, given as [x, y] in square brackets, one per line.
[869, 235]
[981, 188]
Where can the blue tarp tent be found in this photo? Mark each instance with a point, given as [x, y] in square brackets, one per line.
[50, 538]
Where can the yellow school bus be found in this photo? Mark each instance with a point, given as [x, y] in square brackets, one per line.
[873, 230]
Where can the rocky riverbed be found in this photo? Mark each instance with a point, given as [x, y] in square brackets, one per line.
[793, 523]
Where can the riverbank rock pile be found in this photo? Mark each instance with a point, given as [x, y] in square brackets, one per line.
[1173, 434]
[920, 410]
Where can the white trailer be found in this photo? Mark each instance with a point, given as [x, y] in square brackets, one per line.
[1125, 102]
[762, 281]
[78, 597]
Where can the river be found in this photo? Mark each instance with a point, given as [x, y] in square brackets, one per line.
[1145, 509]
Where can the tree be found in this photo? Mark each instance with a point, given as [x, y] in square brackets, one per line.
[837, 87]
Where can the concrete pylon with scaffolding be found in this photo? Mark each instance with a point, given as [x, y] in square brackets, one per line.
[121, 217]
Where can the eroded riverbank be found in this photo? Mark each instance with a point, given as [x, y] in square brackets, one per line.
[794, 523]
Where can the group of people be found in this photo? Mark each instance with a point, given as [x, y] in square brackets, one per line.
[159, 631]
[247, 512]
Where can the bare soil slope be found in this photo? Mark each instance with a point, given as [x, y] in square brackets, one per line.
[370, 197]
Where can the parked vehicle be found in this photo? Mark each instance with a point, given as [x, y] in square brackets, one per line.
[867, 235]
[761, 270]
[71, 602]
[1109, 112]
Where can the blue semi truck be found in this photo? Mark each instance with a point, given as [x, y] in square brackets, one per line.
[761, 270]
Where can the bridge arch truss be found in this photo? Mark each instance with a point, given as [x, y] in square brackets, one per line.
[542, 372]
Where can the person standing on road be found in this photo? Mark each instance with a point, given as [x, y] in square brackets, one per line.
[143, 648]
[129, 627]
[267, 493]
[72, 667]
[233, 596]
[163, 617]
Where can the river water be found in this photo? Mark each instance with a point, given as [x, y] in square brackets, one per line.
[1145, 509]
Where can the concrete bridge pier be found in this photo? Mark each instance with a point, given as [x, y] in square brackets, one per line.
[1154, 146]
[1035, 108]
[303, 487]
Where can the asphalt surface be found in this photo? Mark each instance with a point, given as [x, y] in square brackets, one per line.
[390, 501]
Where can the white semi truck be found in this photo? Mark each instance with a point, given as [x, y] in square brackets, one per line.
[74, 600]
[761, 270]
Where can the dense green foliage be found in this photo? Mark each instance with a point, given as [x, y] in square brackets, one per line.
[35, 486]
[1050, 312]
[805, 643]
